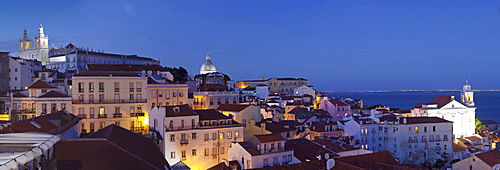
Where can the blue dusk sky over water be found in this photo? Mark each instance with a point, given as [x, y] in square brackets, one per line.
[337, 45]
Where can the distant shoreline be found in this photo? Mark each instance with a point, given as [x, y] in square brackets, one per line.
[388, 91]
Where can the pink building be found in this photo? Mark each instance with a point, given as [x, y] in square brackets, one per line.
[337, 108]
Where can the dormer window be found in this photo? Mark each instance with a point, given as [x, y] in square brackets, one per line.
[177, 109]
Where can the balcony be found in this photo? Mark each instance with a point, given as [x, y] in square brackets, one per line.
[110, 101]
[445, 139]
[137, 129]
[117, 89]
[184, 141]
[438, 140]
[102, 116]
[431, 140]
[27, 111]
[115, 115]
[136, 114]
[438, 148]
[424, 140]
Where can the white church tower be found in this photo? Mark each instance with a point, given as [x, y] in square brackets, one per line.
[467, 95]
[40, 50]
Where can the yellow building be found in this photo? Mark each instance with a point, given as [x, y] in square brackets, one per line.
[104, 99]
[281, 85]
[210, 96]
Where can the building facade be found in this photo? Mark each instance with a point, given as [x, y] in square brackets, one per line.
[37, 51]
[104, 99]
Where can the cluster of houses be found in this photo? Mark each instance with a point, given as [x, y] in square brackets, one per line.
[82, 109]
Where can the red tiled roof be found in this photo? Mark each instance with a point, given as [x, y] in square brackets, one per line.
[41, 85]
[249, 148]
[211, 114]
[54, 123]
[106, 75]
[184, 110]
[491, 157]
[458, 148]
[53, 93]
[312, 165]
[418, 120]
[472, 138]
[232, 107]
[110, 148]
[440, 100]
[19, 95]
[335, 146]
[304, 149]
[338, 102]
[269, 138]
[378, 160]
[278, 127]
[123, 67]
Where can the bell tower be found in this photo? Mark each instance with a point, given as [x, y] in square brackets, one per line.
[467, 95]
[25, 42]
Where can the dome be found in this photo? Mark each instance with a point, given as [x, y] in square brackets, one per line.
[208, 66]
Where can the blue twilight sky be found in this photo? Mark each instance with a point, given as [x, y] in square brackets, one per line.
[337, 45]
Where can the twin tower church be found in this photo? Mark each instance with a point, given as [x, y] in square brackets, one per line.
[462, 114]
[38, 50]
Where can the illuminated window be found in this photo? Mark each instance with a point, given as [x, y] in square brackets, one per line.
[416, 129]
[193, 152]
[221, 135]
[229, 135]
[172, 138]
[183, 155]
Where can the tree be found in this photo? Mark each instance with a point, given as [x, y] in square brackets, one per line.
[479, 125]
[180, 74]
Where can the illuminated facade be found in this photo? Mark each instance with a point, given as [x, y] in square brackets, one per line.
[208, 66]
[104, 99]
[167, 94]
[37, 51]
[282, 85]
[210, 96]
[198, 138]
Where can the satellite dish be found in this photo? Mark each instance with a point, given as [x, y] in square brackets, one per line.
[327, 156]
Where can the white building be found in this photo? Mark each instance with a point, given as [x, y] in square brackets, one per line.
[301, 90]
[169, 94]
[38, 51]
[485, 160]
[104, 99]
[364, 131]
[262, 151]
[414, 140]
[17, 72]
[462, 114]
[200, 138]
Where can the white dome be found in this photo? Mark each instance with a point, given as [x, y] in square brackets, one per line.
[208, 66]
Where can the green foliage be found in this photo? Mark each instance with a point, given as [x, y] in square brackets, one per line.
[180, 74]
[479, 125]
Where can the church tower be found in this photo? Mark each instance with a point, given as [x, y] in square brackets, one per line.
[37, 51]
[467, 95]
[25, 42]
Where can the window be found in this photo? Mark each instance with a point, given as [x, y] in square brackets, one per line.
[214, 136]
[139, 86]
[101, 86]
[80, 87]
[183, 155]
[207, 152]
[221, 135]
[193, 136]
[214, 153]
[91, 87]
[91, 98]
[117, 87]
[236, 134]
[283, 159]
[275, 161]
[279, 146]
[433, 128]
[153, 93]
[101, 125]
[172, 154]
[131, 97]
[221, 150]
[207, 136]
[80, 98]
[174, 93]
[160, 93]
[229, 135]
[289, 157]
[117, 110]
[416, 129]
[91, 127]
[218, 101]
[192, 123]
[266, 162]
[167, 94]
[101, 97]
[182, 123]
[226, 101]
[193, 152]
[181, 93]
[211, 101]
[172, 138]
[171, 124]
[131, 86]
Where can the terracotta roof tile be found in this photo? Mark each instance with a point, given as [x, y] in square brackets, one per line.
[54, 123]
[112, 152]
[338, 102]
[491, 157]
[419, 120]
[41, 85]
[211, 114]
[53, 93]
[269, 138]
[440, 100]
[232, 107]
[304, 149]
[179, 110]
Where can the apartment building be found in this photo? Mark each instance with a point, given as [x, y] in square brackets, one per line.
[104, 99]
[198, 138]
[414, 140]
